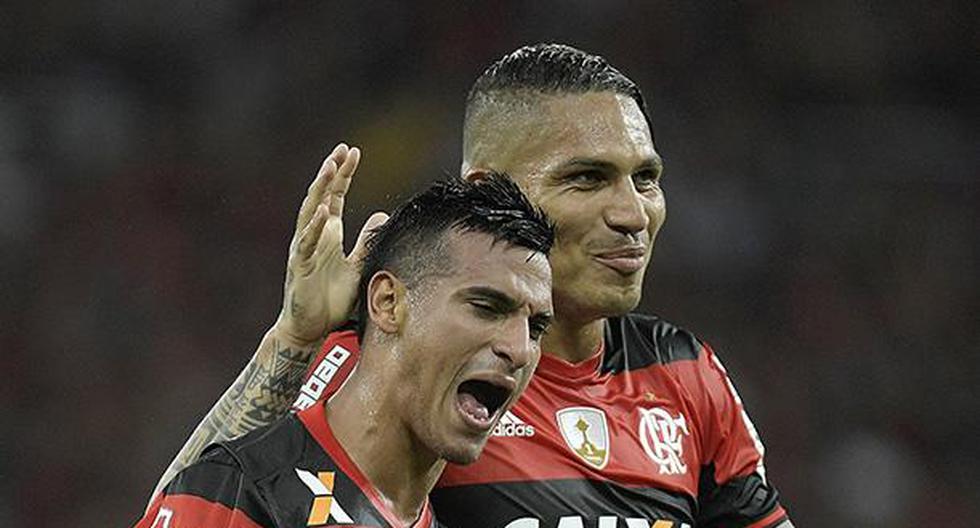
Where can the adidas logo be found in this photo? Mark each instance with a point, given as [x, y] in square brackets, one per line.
[510, 425]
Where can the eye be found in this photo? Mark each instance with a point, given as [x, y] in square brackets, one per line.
[484, 310]
[586, 179]
[646, 180]
[537, 329]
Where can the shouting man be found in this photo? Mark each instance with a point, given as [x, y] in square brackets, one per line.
[455, 297]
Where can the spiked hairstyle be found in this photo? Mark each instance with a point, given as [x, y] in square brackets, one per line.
[545, 69]
[411, 243]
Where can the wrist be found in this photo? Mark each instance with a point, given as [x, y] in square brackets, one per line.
[282, 331]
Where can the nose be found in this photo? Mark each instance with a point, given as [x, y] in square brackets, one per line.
[513, 343]
[624, 212]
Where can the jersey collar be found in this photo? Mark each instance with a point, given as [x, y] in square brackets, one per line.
[314, 419]
[552, 366]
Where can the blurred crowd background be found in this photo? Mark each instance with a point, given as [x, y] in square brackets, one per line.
[822, 183]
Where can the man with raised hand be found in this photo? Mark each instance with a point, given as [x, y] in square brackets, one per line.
[455, 297]
[629, 420]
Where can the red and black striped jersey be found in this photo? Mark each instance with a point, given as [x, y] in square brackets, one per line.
[649, 432]
[292, 473]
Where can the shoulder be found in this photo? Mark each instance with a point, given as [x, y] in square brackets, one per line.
[635, 341]
[266, 450]
[214, 491]
[215, 476]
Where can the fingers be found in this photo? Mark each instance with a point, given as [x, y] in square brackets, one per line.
[360, 247]
[340, 183]
[310, 235]
[330, 247]
[314, 194]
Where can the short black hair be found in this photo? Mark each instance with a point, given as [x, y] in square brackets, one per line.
[411, 243]
[551, 69]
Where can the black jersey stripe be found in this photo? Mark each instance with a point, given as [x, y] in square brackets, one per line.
[636, 341]
[550, 500]
[738, 502]
[267, 451]
[217, 477]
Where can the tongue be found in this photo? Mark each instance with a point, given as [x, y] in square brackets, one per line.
[472, 406]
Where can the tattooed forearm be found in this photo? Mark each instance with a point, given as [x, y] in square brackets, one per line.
[263, 392]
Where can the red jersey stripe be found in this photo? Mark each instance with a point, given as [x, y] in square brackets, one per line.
[778, 515]
[191, 511]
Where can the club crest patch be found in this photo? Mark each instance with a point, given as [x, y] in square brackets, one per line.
[586, 433]
[660, 433]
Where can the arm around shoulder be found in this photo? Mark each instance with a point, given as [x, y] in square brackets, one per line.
[262, 393]
[318, 295]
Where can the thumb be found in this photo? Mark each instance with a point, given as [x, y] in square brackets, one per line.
[373, 222]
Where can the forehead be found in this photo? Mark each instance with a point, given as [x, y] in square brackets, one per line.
[596, 125]
[478, 260]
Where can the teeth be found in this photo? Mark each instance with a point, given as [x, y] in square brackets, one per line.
[481, 399]
[472, 406]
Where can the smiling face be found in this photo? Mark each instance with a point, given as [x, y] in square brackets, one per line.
[470, 342]
[589, 161]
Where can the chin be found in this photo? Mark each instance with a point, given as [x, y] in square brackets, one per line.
[462, 455]
[462, 449]
[620, 309]
[615, 302]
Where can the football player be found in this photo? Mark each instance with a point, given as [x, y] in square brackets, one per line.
[629, 420]
[455, 297]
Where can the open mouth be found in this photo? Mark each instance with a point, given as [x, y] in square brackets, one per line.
[479, 401]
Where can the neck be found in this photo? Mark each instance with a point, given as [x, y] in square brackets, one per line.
[381, 445]
[573, 341]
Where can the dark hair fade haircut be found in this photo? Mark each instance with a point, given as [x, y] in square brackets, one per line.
[551, 69]
[411, 244]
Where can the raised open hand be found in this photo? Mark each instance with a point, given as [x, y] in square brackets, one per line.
[321, 281]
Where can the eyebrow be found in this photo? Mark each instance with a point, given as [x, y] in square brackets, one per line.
[655, 163]
[505, 301]
[492, 294]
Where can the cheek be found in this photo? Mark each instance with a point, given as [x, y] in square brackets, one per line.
[534, 364]
[657, 211]
[524, 378]
[432, 343]
[566, 257]
[574, 218]
[569, 257]
[453, 337]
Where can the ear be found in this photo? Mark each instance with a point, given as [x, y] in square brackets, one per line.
[475, 174]
[386, 302]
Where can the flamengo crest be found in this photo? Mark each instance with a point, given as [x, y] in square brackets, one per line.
[660, 434]
[586, 433]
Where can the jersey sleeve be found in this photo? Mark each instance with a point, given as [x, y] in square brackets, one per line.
[212, 492]
[733, 490]
[330, 369]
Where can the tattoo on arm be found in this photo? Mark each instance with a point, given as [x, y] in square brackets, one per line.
[263, 393]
